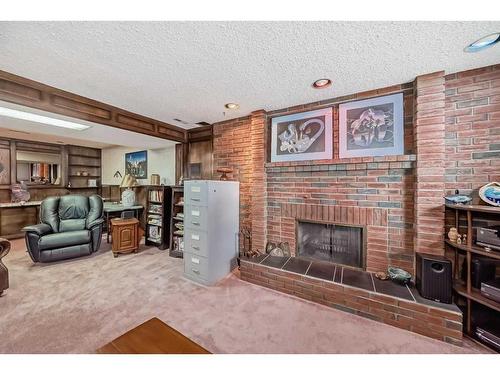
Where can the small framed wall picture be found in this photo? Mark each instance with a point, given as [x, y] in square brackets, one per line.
[372, 127]
[302, 136]
[136, 164]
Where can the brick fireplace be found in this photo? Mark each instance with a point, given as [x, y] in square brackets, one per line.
[451, 142]
[376, 193]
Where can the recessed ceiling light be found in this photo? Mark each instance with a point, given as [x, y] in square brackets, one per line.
[321, 83]
[483, 43]
[28, 116]
[232, 106]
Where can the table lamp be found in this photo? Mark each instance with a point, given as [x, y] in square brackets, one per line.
[128, 195]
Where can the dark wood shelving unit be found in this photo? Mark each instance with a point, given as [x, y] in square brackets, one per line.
[159, 200]
[470, 249]
[84, 160]
[176, 216]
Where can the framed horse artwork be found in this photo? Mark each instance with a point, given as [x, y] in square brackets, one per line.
[372, 127]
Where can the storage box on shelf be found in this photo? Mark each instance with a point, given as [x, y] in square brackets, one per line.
[158, 216]
[176, 239]
[464, 289]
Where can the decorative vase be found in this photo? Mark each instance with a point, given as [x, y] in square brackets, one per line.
[128, 197]
[453, 234]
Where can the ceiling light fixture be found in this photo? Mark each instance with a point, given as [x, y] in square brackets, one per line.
[232, 106]
[483, 43]
[28, 116]
[322, 83]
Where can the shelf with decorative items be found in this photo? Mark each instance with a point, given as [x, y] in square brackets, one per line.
[158, 216]
[84, 167]
[465, 232]
[177, 222]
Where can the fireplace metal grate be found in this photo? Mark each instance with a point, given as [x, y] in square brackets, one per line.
[342, 244]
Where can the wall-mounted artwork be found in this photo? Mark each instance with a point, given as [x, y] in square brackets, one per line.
[372, 127]
[136, 164]
[4, 166]
[302, 136]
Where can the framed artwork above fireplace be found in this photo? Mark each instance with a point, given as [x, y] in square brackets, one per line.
[302, 136]
[372, 127]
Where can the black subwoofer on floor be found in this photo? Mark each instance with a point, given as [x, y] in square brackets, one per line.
[434, 277]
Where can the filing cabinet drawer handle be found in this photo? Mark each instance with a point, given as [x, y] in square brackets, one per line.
[195, 223]
[196, 247]
[195, 199]
[195, 271]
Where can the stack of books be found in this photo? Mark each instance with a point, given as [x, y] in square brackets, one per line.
[154, 234]
[154, 220]
[156, 195]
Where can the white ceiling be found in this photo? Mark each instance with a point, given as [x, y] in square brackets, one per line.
[98, 135]
[189, 70]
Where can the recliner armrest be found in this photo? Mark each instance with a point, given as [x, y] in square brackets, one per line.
[40, 229]
[94, 223]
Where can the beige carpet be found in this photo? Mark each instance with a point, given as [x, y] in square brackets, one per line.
[79, 305]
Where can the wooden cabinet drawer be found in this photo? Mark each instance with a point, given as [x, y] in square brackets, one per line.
[195, 193]
[195, 266]
[196, 242]
[195, 217]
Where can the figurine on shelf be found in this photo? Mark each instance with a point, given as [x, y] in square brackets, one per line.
[225, 172]
[459, 239]
[453, 234]
[464, 239]
[457, 198]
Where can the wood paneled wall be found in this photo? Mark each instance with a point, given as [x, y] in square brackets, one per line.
[200, 151]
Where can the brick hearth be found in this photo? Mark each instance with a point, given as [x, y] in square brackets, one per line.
[356, 292]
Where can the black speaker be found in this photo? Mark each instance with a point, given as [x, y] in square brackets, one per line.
[434, 277]
[481, 270]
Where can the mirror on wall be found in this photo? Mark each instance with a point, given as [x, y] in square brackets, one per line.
[38, 168]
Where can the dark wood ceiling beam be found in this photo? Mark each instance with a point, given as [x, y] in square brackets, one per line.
[24, 91]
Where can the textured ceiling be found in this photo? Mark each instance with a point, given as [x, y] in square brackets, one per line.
[189, 70]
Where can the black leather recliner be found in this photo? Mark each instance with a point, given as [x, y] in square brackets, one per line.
[71, 226]
[4, 272]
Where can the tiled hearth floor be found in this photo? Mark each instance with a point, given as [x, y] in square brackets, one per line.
[346, 276]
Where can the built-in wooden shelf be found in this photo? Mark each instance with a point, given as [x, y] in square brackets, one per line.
[86, 156]
[475, 249]
[465, 289]
[474, 208]
[176, 208]
[476, 296]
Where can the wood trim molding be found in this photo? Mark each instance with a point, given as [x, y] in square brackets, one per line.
[23, 91]
[204, 133]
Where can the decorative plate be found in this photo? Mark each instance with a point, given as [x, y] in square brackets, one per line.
[399, 275]
[490, 193]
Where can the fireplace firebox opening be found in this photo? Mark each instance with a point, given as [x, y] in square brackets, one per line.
[337, 243]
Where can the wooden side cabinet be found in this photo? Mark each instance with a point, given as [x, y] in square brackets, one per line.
[126, 236]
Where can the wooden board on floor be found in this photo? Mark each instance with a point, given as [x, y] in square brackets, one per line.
[152, 337]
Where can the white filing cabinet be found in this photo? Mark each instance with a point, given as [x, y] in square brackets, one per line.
[211, 226]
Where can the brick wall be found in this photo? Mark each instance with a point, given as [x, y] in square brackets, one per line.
[451, 141]
[376, 192]
[231, 149]
[472, 129]
[429, 131]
